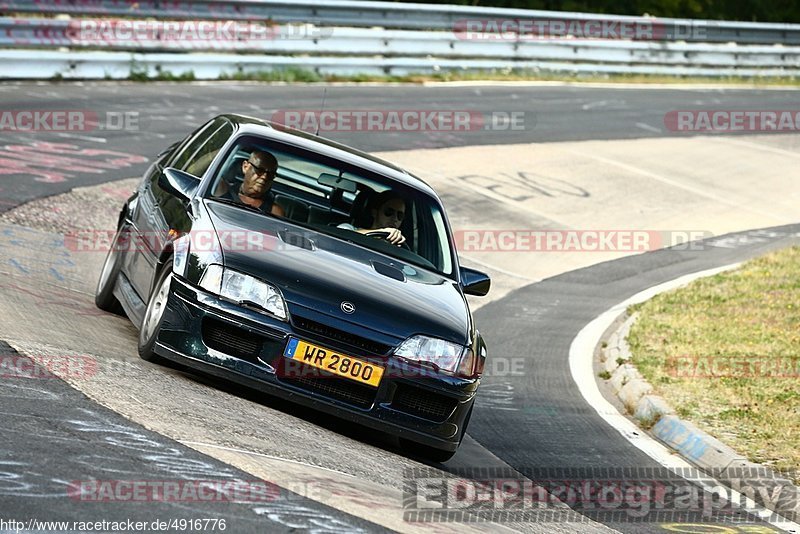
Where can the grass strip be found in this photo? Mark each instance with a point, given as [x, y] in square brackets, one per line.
[725, 353]
[139, 73]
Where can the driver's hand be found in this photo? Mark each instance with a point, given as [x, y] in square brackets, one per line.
[394, 237]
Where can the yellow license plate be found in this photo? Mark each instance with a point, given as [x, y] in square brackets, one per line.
[334, 362]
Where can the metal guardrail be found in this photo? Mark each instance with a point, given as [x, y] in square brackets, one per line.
[393, 15]
[293, 40]
[27, 64]
[70, 48]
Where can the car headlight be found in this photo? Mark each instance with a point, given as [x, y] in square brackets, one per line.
[180, 258]
[188, 258]
[444, 355]
[244, 289]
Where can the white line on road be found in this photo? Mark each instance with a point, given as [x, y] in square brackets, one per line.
[597, 104]
[758, 146]
[697, 191]
[83, 137]
[498, 269]
[647, 127]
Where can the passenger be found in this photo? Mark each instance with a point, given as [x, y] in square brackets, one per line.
[387, 211]
[259, 173]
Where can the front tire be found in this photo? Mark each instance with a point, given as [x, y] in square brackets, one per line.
[104, 294]
[154, 314]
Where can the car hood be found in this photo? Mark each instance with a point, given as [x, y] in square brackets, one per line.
[319, 272]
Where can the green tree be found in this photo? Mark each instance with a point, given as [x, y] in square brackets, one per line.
[743, 10]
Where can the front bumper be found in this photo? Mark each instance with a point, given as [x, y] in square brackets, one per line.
[239, 344]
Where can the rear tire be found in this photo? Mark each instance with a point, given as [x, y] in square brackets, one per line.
[104, 294]
[154, 314]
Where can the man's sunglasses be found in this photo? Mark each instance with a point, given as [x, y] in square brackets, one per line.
[390, 212]
[259, 170]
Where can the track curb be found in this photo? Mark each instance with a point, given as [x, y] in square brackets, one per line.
[655, 415]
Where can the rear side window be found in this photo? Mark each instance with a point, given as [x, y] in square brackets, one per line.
[189, 145]
[196, 157]
[202, 158]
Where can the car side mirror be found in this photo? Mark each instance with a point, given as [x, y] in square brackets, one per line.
[475, 282]
[178, 183]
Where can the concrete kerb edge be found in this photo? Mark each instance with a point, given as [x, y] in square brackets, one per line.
[654, 414]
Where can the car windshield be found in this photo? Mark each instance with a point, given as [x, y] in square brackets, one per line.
[340, 200]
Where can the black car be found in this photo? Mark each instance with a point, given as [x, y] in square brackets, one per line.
[301, 305]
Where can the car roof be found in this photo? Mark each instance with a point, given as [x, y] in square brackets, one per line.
[327, 147]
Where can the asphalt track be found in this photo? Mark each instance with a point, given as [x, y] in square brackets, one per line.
[165, 112]
[532, 420]
[544, 405]
[58, 447]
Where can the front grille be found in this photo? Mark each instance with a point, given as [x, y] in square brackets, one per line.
[328, 333]
[423, 403]
[332, 386]
[231, 340]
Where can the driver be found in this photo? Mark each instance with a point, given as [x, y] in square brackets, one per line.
[387, 211]
[259, 172]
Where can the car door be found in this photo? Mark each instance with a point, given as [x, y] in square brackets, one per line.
[159, 211]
